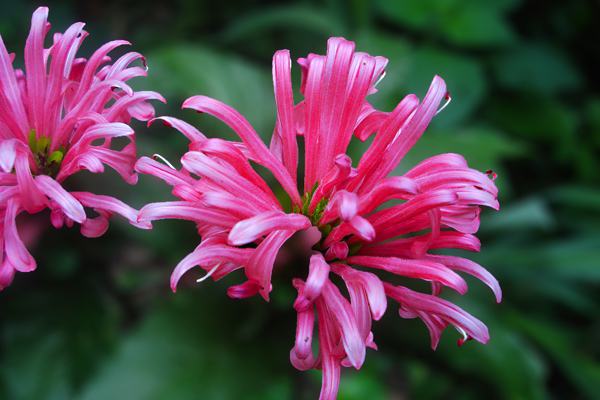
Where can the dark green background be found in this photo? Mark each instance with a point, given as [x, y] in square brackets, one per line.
[98, 321]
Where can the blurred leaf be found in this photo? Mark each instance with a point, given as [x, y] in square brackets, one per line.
[537, 67]
[583, 371]
[411, 69]
[466, 23]
[181, 351]
[483, 147]
[299, 17]
[593, 118]
[358, 385]
[193, 70]
[579, 197]
[513, 368]
[532, 213]
[53, 344]
[536, 116]
[464, 79]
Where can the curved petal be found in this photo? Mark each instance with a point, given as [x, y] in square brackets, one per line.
[249, 230]
[284, 99]
[419, 269]
[189, 131]
[69, 204]
[184, 210]
[441, 308]
[16, 252]
[255, 145]
[260, 266]
[318, 274]
[342, 313]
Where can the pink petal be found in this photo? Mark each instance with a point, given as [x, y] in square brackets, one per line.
[419, 269]
[245, 131]
[318, 274]
[184, 210]
[15, 116]
[369, 283]
[260, 266]
[68, 204]
[244, 290]
[110, 205]
[8, 153]
[189, 131]
[312, 119]
[284, 99]
[472, 268]
[36, 67]
[207, 253]
[363, 228]
[226, 178]
[304, 333]
[31, 198]
[372, 158]
[342, 312]
[171, 176]
[414, 128]
[343, 205]
[441, 308]
[397, 187]
[16, 253]
[337, 250]
[249, 230]
[334, 81]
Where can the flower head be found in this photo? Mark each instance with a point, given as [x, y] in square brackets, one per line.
[58, 116]
[354, 222]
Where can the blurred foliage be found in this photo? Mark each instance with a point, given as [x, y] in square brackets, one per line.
[97, 319]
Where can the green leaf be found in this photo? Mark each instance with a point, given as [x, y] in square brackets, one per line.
[192, 70]
[411, 69]
[51, 343]
[464, 79]
[470, 23]
[508, 364]
[563, 347]
[185, 349]
[525, 215]
[536, 67]
[298, 17]
[483, 147]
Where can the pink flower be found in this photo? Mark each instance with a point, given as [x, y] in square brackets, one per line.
[344, 218]
[57, 117]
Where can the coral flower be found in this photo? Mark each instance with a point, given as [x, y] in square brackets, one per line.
[356, 225]
[58, 116]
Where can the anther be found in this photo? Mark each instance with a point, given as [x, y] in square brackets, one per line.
[448, 100]
[208, 274]
[164, 160]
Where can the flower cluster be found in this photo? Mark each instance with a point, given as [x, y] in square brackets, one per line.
[357, 223]
[60, 115]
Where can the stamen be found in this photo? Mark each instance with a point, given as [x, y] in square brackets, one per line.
[208, 274]
[164, 160]
[448, 100]
[380, 78]
[464, 338]
[491, 174]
